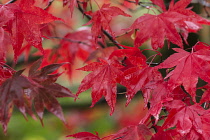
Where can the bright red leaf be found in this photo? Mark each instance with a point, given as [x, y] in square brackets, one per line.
[103, 81]
[101, 19]
[184, 118]
[46, 90]
[13, 91]
[189, 66]
[26, 25]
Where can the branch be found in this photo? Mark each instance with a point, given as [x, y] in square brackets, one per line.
[111, 38]
[11, 1]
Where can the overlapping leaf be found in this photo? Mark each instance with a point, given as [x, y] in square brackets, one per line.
[26, 25]
[167, 25]
[103, 81]
[12, 92]
[184, 118]
[189, 66]
[102, 18]
[46, 90]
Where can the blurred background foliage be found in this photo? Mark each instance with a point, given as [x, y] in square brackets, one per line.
[79, 116]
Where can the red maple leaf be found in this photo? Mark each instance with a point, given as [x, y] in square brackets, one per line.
[46, 90]
[167, 24]
[184, 118]
[103, 81]
[102, 18]
[13, 91]
[26, 25]
[189, 66]
[134, 132]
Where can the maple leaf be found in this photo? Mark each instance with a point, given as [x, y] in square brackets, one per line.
[46, 90]
[102, 18]
[168, 25]
[13, 92]
[149, 25]
[103, 81]
[26, 25]
[135, 132]
[84, 136]
[77, 44]
[189, 66]
[183, 117]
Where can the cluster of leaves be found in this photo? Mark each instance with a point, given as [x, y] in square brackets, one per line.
[171, 99]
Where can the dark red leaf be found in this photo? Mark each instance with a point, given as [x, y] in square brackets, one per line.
[46, 91]
[26, 25]
[13, 91]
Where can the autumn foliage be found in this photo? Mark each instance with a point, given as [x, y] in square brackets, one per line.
[169, 87]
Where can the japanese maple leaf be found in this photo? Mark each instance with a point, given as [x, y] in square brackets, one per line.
[84, 136]
[103, 81]
[149, 25]
[184, 118]
[135, 132]
[46, 90]
[26, 25]
[168, 24]
[189, 66]
[102, 18]
[13, 91]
